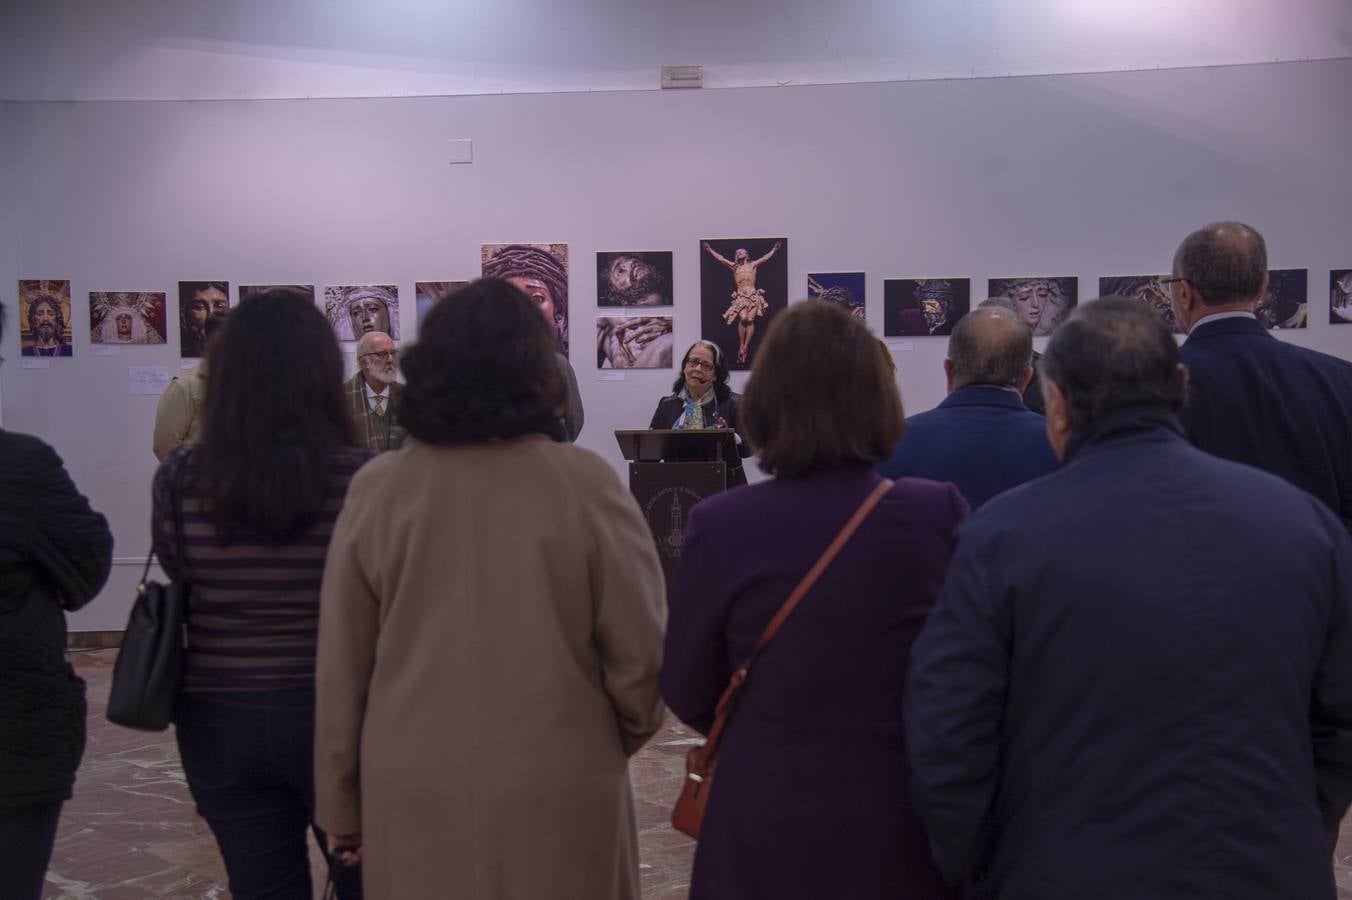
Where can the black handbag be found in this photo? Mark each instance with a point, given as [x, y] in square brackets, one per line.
[150, 664]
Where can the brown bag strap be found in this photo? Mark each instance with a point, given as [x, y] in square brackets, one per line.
[706, 753]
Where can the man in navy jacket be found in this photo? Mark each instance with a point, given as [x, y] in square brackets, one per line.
[1137, 680]
[1253, 398]
[982, 437]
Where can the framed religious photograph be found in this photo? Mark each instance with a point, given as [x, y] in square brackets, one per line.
[633, 342]
[845, 289]
[1043, 301]
[1340, 296]
[541, 270]
[198, 301]
[253, 290]
[127, 317]
[357, 310]
[1147, 289]
[634, 278]
[744, 283]
[427, 293]
[1284, 305]
[44, 317]
[924, 307]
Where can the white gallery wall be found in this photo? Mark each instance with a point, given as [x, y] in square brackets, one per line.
[1086, 175]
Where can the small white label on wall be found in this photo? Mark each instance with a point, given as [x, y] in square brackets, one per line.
[607, 375]
[31, 362]
[103, 351]
[148, 381]
[189, 364]
[901, 346]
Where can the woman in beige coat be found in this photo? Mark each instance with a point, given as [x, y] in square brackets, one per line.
[490, 634]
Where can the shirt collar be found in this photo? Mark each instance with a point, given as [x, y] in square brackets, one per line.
[371, 394]
[1218, 316]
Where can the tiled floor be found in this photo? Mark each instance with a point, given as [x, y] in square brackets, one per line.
[130, 832]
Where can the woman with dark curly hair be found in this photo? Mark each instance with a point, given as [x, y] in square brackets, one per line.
[491, 633]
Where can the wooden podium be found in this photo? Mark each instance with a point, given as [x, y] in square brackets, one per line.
[669, 472]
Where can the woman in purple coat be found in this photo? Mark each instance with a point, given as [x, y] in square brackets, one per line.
[812, 797]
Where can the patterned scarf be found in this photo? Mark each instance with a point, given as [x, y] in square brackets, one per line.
[693, 414]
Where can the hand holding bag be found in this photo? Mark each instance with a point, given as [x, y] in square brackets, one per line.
[701, 762]
[150, 664]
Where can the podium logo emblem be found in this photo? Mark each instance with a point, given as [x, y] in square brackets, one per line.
[666, 512]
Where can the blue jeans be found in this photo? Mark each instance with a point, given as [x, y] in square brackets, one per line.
[249, 760]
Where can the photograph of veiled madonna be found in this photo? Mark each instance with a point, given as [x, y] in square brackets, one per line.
[250, 290]
[1284, 305]
[355, 310]
[633, 342]
[427, 293]
[1340, 296]
[743, 284]
[924, 307]
[541, 271]
[1147, 289]
[126, 317]
[1043, 301]
[845, 289]
[634, 278]
[44, 317]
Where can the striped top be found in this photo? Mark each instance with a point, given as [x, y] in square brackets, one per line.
[253, 614]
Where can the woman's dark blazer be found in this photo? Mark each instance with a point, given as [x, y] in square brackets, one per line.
[669, 409]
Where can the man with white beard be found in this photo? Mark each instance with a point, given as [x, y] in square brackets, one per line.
[373, 392]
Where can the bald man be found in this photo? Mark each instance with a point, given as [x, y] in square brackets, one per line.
[982, 438]
[1251, 397]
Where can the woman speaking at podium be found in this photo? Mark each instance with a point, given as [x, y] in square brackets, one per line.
[701, 398]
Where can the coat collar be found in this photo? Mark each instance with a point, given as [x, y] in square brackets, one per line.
[983, 395]
[1151, 422]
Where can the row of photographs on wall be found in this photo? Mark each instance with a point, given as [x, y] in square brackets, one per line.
[743, 284]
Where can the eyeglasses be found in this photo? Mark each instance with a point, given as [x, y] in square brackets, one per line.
[700, 364]
[1166, 281]
[382, 354]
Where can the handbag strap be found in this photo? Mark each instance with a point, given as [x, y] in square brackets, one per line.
[725, 702]
[176, 467]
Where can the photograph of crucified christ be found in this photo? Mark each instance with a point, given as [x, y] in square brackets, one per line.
[760, 289]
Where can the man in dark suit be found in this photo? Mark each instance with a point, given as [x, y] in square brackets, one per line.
[1137, 680]
[982, 437]
[1032, 394]
[1253, 398]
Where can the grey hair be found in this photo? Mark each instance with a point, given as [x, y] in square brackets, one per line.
[990, 345]
[1225, 262]
[1111, 354]
[364, 342]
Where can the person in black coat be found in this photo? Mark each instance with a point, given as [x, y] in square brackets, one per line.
[1137, 680]
[55, 554]
[1251, 397]
[701, 398]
